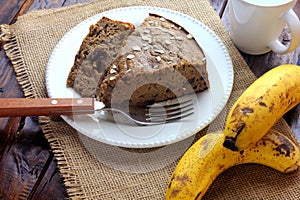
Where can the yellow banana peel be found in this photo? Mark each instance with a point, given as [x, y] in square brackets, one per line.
[207, 158]
[261, 105]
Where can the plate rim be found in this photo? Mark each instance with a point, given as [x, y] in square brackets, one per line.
[149, 9]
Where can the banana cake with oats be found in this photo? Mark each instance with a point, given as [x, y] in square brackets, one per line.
[157, 61]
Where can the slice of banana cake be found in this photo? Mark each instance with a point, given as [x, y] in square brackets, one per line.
[159, 61]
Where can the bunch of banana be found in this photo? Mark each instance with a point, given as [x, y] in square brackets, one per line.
[247, 137]
[208, 158]
[261, 106]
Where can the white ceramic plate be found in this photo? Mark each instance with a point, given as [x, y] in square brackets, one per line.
[207, 104]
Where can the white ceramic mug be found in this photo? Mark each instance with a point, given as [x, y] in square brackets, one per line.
[256, 25]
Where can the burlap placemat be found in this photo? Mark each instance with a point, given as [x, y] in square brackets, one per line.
[92, 170]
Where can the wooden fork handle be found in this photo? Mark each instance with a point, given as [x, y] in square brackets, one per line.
[18, 107]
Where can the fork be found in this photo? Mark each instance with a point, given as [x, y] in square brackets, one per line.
[149, 115]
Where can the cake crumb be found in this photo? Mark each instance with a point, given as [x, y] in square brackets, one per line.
[114, 66]
[136, 48]
[159, 51]
[130, 56]
[189, 36]
[112, 71]
[158, 58]
[112, 78]
[179, 38]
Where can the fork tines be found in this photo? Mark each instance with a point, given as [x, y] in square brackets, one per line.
[170, 112]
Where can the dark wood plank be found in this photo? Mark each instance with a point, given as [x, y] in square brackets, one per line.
[8, 126]
[46, 4]
[73, 2]
[16, 163]
[9, 86]
[10, 10]
[219, 6]
[25, 162]
[49, 186]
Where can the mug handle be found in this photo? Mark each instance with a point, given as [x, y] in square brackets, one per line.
[293, 23]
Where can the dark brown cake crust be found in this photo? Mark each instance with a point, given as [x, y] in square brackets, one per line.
[98, 49]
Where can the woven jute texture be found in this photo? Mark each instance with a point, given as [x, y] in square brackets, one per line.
[92, 170]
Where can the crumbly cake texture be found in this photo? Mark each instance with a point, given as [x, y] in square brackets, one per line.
[157, 61]
[97, 51]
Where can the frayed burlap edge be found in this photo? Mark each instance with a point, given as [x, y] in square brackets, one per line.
[10, 45]
[70, 181]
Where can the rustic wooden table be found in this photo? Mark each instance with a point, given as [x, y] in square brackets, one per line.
[27, 167]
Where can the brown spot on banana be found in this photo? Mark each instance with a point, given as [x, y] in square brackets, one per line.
[284, 146]
[247, 110]
[274, 150]
[261, 105]
[271, 107]
[283, 149]
[229, 142]
[174, 193]
[180, 179]
[221, 167]
[279, 149]
[183, 179]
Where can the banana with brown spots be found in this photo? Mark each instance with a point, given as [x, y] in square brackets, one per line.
[208, 158]
[261, 105]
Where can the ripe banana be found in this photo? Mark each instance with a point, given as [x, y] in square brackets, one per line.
[207, 158]
[261, 105]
